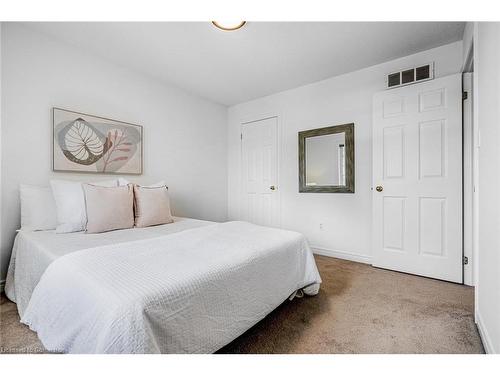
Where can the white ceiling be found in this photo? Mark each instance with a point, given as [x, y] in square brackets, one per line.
[260, 59]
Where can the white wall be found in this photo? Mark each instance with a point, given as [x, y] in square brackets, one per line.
[346, 218]
[467, 41]
[487, 115]
[185, 136]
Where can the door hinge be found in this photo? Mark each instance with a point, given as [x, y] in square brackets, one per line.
[465, 95]
[465, 261]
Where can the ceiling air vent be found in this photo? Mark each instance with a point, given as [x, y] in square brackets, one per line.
[409, 76]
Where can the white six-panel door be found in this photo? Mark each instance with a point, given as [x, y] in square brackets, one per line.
[417, 179]
[260, 203]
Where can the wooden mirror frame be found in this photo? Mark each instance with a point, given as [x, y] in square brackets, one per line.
[348, 129]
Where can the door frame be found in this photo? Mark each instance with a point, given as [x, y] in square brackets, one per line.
[469, 182]
[471, 186]
[249, 120]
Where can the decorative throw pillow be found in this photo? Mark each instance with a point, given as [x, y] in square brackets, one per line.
[152, 206]
[109, 208]
[70, 204]
[38, 208]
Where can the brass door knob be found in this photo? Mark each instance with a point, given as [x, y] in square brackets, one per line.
[379, 188]
[272, 187]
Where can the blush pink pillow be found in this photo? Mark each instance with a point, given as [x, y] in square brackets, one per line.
[152, 206]
[109, 208]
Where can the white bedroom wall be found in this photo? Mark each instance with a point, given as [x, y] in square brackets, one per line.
[487, 115]
[467, 41]
[346, 218]
[185, 136]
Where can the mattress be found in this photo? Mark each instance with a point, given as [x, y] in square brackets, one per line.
[34, 251]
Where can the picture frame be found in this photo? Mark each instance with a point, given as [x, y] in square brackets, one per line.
[84, 143]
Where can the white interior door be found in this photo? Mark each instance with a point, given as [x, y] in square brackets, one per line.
[417, 179]
[260, 203]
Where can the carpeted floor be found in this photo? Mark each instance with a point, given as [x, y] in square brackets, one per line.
[360, 309]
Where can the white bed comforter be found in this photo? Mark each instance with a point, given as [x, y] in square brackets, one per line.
[187, 292]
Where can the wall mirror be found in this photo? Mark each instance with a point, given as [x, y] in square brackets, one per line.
[326, 160]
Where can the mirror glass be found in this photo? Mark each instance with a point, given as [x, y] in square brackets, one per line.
[325, 160]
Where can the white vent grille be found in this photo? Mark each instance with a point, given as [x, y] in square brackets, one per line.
[411, 75]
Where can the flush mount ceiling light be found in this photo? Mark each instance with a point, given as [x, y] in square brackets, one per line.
[229, 26]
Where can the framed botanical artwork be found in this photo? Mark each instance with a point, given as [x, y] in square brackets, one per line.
[92, 144]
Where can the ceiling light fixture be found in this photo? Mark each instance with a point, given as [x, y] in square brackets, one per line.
[229, 26]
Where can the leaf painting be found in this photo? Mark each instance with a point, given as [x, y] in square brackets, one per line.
[87, 143]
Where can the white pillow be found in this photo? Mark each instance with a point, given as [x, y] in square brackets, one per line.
[38, 208]
[122, 181]
[70, 204]
[158, 184]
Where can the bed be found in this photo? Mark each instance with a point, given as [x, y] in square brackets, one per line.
[188, 287]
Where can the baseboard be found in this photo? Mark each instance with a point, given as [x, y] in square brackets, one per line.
[2, 284]
[485, 338]
[342, 254]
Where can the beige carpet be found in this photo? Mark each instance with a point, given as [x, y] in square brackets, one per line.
[360, 309]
